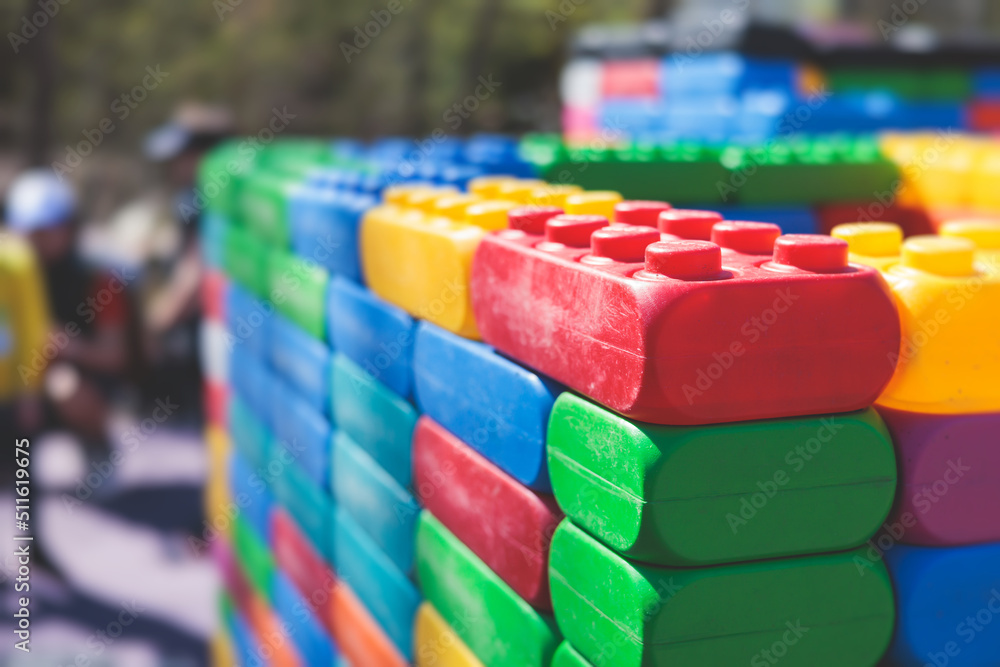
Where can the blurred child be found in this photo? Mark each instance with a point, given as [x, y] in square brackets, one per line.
[88, 351]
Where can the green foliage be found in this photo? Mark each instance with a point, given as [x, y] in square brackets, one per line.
[259, 54]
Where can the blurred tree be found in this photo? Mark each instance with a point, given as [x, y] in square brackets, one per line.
[257, 54]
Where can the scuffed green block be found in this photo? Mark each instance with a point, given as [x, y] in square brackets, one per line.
[298, 290]
[254, 557]
[244, 259]
[702, 495]
[493, 621]
[783, 172]
[825, 611]
[377, 419]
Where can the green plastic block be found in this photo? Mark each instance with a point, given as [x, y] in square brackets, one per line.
[263, 205]
[244, 259]
[722, 493]
[254, 558]
[493, 621]
[806, 172]
[298, 289]
[812, 611]
[376, 418]
[679, 173]
[567, 656]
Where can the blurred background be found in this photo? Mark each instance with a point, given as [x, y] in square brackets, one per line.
[118, 100]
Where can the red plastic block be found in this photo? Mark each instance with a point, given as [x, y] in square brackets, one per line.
[685, 223]
[984, 115]
[949, 477]
[631, 78]
[217, 403]
[687, 332]
[305, 568]
[213, 296]
[645, 213]
[507, 525]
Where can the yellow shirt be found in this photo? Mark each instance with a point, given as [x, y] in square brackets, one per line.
[24, 318]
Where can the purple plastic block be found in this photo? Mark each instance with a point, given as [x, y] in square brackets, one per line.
[949, 477]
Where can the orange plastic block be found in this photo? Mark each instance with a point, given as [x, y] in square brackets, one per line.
[359, 636]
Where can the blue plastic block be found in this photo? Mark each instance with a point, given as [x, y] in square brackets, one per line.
[213, 233]
[388, 594]
[248, 433]
[309, 505]
[247, 319]
[251, 495]
[496, 406]
[311, 641]
[380, 421]
[303, 431]
[948, 605]
[252, 381]
[986, 82]
[377, 502]
[324, 224]
[302, 361]
[374, 334]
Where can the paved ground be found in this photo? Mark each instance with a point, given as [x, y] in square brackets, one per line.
[120, 545]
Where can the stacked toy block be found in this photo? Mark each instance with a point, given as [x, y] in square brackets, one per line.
[942, 406]
[479, 462]
[719, 462]
[315, 490]
[725, 80]
[792, 182]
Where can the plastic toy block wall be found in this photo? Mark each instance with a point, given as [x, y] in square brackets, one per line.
[681, 438]
[717, 80]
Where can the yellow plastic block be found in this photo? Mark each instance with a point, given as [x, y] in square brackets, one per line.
[437, 644]
[217, 495]
[949, 305]
[488, 187]
[553, 195]
[489, 215]
[519, 191]
[398, 194]
[985, 234]
[417, 252]
[876, 244]
[595, 202]
[936, 168]
[421, 263]
[425, 199]
[222, 654]
[454, 207]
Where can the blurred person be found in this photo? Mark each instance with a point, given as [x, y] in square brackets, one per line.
[24, 328]
[88, 351]
[173, 310]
